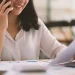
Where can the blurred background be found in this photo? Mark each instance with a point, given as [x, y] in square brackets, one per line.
[59, 17]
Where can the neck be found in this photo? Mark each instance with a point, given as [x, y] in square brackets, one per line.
[13, 25]
[12, 20]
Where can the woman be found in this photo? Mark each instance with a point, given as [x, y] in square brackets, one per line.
[67, 55]
[22, 34]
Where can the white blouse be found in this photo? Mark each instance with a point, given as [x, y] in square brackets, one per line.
[27, 45]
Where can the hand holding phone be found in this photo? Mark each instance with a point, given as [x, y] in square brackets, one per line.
[4, 10]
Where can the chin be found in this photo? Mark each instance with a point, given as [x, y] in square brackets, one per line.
[16, 12]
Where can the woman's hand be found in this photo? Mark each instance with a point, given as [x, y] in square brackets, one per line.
[4, 15]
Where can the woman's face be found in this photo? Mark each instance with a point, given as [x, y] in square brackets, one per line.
[18, 6]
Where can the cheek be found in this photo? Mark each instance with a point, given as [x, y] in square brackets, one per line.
[26, 1]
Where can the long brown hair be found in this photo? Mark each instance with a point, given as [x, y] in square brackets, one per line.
[28, 17]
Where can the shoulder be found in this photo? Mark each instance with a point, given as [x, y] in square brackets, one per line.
[41, 28]
[42, 25]
[40, 22]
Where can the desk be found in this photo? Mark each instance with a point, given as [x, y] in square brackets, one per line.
[57, 70]
[7, 65]
[60, 70]
[52, 70]
[18, 73]
[1, 73]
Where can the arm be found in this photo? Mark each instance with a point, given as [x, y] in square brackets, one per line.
[66, 55]
[2, 34]
[3, 20]
[49, 45]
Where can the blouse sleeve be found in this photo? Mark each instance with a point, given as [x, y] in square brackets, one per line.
[49, 45]
[65, 55]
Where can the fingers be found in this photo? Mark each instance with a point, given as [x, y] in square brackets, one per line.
[5, 6]
[3, 2]
[8, 10]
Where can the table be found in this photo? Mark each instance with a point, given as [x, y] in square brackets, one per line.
[32, 73]
[52, 70]
[2, 72]
[60, 70]
[7, 65]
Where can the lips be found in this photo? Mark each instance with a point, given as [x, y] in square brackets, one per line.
[19, 5]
